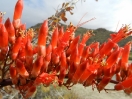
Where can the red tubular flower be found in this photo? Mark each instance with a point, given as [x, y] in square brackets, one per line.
[105, 80]
[90, 79]
[73, 45]
[18, 10]
[43, 33]
[45, 79]
[42, 38]
[81, 68]
[48, 52]
[11, 31]
[74, 63]
[61, 33]
[82, 44]
[112, 59]
[95, 47]
[115, 36]
[35, 50]
[126, 52]
[3, 37]
[29, 48]
[16, 48]
[21, 68]
[61, 46]
[86, 36]
[66, 37]
[85, 53]
[121, 34]
[30, 92]
[18, 13]
[80, 49]
[63, 68]
[45, 66]
[125, 56]
[22, 54]
[37, 67]
[55, 57]
[54, 38]
[75, 57]
[64, 41]
[90, 69]
[129, 70]
[124, 84]
[47, 58]
[29, 55]
[105, 50]
[84, 75]
[3, 42]
[13, 74]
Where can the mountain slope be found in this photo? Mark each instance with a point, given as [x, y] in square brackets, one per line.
[101, 34]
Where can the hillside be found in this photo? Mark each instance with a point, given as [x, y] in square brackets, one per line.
[101, 34]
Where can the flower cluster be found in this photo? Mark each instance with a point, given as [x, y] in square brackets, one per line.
[66, 56]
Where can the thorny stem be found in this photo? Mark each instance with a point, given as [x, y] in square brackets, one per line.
[106, 90]
[4, 70]
[6, 82]
[111, 81]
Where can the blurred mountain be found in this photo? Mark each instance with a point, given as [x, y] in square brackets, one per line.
[101, 34]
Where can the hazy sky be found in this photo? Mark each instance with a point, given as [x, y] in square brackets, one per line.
[107, 12]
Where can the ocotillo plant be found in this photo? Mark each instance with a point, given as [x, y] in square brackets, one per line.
[26, 65]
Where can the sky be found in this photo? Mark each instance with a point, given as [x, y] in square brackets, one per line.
[109, 14]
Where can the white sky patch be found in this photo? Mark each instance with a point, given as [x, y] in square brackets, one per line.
[123, 12]
[107, 12]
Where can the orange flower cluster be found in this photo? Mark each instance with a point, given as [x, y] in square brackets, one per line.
[65, 56]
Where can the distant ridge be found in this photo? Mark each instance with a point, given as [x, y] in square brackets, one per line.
[101, 34]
